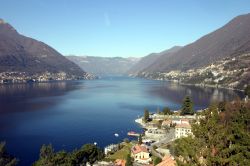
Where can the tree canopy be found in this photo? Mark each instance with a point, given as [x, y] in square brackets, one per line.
[5, 158]
[128, 160]
[247, 91]
[87, 153]
[220, 138]
[167, 111]
[146, 115]
[187, 106]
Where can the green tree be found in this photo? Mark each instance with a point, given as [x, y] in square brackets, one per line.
[140, 139]
[187, 106]
[126, 140]
[129, 160]
[166, 111]
[5, 158]
[87, 153]
[247, 91]
[46, 152]
[220, 138]
[222, 106]
[159, 123]
[157, 160]
[146, 115]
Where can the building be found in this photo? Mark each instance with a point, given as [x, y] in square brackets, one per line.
[180, 121]
[167, 161]
[155, 134]
[119, 162]
[140, 154]
[111, 148]
[166, 123]
[182, 130]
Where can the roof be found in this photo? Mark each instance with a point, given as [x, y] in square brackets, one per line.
[166, 122]
[138, 148]
[183, 125]
[120, 162]
[187, 120]
[168, 160]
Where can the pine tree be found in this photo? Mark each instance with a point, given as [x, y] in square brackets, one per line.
[146, 115]
[187, 106]
[140, 139]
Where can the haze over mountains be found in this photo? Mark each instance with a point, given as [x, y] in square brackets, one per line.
[104, 65]
[31, 57]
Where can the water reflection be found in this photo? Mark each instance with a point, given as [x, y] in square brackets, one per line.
[28, 97]
[174, 93]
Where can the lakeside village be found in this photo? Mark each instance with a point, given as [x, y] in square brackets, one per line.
[153, 145]
[163, 129]
[24, 77]
[218, 135]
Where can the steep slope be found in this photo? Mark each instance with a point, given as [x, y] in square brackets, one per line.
[22, 54]
[104, 65]
[219, 59]
[231, 39]
[150, 60]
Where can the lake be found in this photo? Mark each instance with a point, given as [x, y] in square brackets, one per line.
[69, 114]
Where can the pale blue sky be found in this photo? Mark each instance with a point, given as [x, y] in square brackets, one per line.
[118, 27]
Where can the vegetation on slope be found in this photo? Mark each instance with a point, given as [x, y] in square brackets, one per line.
[222, 137]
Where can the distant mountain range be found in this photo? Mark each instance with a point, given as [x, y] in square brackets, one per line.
[229, 41]
[26, 58]
[104, 65]
[148, 63]
[220, 58]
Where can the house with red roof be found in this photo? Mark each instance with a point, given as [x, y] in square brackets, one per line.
[167, 161]
[140, 154]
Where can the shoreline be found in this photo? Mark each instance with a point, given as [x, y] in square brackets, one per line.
[196, 85]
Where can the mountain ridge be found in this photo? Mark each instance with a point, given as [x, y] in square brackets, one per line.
[31, 57]
[104, 65]
[229, 41]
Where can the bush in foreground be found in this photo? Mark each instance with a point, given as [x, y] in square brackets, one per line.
[88, 153]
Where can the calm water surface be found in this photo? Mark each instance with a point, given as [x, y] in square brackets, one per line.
[70, 114]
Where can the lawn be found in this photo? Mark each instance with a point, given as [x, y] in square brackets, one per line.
[122, 153]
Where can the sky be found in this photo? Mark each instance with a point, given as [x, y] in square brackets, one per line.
[111, 28]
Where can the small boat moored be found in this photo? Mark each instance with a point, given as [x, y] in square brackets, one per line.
[132, 133]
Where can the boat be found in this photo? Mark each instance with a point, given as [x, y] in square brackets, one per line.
[116, 135]
[132, 133]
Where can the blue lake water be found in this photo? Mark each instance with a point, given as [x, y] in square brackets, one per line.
[71, 113]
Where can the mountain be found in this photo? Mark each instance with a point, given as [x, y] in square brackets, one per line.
[230, 41]
[104, 65]
[150, 60]
[20, 54]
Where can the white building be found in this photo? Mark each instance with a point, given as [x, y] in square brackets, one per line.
[111, 148]
[182, 130]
